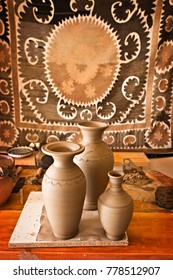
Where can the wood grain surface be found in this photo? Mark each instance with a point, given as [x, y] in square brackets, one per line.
[150, 232]
[150, 237]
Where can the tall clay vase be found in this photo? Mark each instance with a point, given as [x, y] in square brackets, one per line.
[96, 160]
[115, 208]
[63, 189]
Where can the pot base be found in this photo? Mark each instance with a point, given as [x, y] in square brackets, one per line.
[64, 237]
[90, 206]
[3, 203]
[114, 238]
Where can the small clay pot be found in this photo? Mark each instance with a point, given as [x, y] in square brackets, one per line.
[6, 184]
[6, 187]
[6, 165]
[115, 207]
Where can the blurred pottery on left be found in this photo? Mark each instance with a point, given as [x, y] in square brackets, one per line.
[6, 184]
[6, 187]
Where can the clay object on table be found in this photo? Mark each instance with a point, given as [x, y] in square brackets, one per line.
[6, 184]
[63, 189]
[96, 160]
[115, 207]
[134, 175]
[6, 165]
[20, 151]
[164, 197]
[42, 160]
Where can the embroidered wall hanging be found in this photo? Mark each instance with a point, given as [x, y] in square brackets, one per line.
[63, 62]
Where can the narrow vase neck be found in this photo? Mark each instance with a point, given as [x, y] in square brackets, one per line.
[62, 152]
[62, 161]
[93, 136]
[116, 180]
[92, 132]
[115, 187]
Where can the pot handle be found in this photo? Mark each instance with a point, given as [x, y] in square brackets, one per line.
[4, 171]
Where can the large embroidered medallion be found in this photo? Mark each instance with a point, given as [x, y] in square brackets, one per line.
[72, 60]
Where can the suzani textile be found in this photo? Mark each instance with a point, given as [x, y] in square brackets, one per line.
[63, 62]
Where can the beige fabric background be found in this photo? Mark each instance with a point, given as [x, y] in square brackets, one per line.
[63, 62]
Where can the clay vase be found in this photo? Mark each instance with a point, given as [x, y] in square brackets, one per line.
[96, 160]
[115, 208]
[63, 189]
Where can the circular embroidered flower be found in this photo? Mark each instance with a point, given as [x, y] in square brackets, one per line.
[8, 133]
[164, 61]
[4, 56]
[158, 136]
[82, 60]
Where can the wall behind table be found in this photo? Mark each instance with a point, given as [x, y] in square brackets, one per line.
[63, 62]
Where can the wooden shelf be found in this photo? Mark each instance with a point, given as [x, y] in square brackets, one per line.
[149, 234]
[138, 158]
[26, 161]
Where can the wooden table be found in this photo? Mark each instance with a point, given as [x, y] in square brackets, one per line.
[150, 232]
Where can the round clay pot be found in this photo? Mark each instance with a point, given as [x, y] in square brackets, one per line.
[63, 189]
[6, 165]
[96, 160]
[6, 184]
[6, 187]
[115, 208]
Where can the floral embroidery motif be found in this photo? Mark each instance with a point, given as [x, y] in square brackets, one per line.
[85, 59]
[159, 135]
[8, 133]
[164, 60]
[4, 56]
[78, 60]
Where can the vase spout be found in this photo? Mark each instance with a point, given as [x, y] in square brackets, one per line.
[92, 131]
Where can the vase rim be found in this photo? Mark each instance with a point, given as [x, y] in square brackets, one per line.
[62, 148]
[115, 174]
[92, 125]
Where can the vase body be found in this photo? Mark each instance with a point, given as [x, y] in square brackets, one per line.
[63, 189]
[96, 160]
[115, 208]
